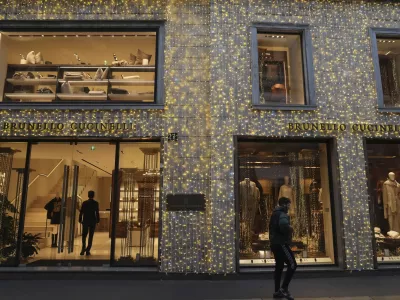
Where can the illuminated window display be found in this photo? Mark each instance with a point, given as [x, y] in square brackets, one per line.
[383, 178]
[280, 68]
[78, 66]
[298, 171]
[389, 68]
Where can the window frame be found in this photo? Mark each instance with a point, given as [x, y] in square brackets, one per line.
[375, 34]
[93, 26]
[339, 248]
[307, 59]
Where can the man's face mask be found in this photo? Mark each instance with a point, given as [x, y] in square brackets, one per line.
[287, 207]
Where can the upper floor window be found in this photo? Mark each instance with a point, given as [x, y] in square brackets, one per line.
[386, 52]
[80, 67]
[282, 67]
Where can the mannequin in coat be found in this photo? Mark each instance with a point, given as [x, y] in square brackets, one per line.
[287, 191]
[249, 200]
[391, 202]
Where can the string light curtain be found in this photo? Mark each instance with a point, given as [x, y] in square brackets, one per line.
[208, 100]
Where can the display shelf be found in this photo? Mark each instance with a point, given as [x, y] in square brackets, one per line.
[149, 68]
[60, 70]
[47, 81]
[86, 82]
[131, 82]
[81, 97]
[31, 97]
[123, 97]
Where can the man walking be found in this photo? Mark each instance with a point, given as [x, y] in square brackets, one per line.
[89, 217]
[280, 236]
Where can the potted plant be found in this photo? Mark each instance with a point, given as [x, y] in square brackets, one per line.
[8, 243]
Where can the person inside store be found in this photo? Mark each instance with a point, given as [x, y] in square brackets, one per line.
[280, 236]
[89, 216]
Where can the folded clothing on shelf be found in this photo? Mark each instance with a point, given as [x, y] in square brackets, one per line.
[119, 91]
[20, 75]
[44, 91]
[97, 92]
[130, 77]
[393, 234]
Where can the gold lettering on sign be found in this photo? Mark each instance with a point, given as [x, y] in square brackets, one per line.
[78, 127]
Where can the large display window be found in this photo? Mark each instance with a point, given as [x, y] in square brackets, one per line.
[298, 171]
[62, 67]
[384, 187]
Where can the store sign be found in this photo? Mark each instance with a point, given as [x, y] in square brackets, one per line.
[340, 127]
[11, 126]
[186, 202]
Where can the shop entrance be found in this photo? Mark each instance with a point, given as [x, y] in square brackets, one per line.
[61, 177]
[125, 179]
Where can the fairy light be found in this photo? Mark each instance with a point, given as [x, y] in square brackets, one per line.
[208, 100]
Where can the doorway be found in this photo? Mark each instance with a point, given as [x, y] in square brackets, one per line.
[60, 178]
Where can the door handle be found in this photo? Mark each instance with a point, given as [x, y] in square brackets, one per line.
[63, 208]
[73, 212]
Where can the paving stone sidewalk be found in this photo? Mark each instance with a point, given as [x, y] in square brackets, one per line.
[330, 298]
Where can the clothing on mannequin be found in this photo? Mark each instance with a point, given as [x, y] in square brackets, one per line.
[53, 208]
[287, 191]
[391, 202]
[249, 200]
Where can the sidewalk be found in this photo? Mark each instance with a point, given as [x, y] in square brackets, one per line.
[381, 287]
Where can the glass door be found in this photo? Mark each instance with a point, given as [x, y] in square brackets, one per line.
[68, 203]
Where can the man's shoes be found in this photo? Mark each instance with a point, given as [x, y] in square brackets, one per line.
[88, 253]
[278, 295]
[282, 294]
[83, 252]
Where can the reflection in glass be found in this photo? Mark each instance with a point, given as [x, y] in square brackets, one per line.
[298, 171]
[12, 166]
[138, 204]
[280, 68]
[389, 66]
[383, 178]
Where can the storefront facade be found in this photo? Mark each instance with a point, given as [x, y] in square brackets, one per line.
[260, 98]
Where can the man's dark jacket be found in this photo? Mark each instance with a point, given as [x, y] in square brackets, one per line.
[89, 214]
[280, 231]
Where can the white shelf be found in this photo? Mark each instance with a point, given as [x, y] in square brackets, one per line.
[136, 97]
[131, 82]
[82, 97]
[31, 97]
[47, 81]
[86, 82]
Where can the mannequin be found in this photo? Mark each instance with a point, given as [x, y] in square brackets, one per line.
[286, 190]
[249, 199]
[53, 208]
[391, 202]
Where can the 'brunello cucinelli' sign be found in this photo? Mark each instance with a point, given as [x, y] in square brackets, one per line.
[49, 126]
[358, 127]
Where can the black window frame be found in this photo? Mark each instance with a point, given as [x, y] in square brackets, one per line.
[307, 59]
[94, 26]
[375, 34]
